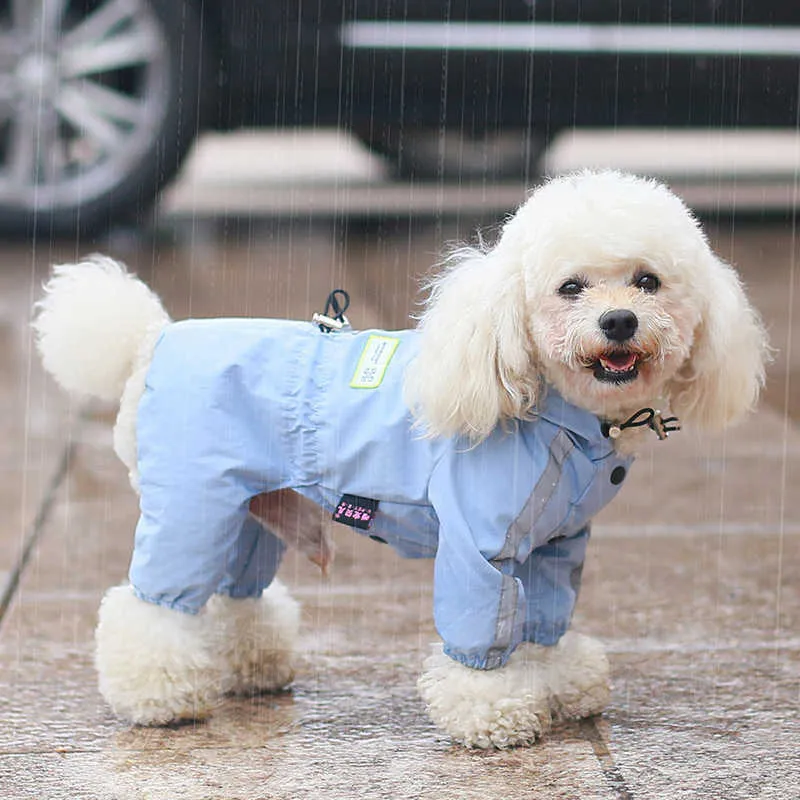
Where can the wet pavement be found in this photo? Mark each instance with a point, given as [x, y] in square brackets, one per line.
[691, 579]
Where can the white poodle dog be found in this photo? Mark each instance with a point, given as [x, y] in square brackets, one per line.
[486, 438]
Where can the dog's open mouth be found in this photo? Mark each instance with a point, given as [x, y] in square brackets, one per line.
[618, 366]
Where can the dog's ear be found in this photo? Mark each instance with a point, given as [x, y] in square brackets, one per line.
[724, 374]
[474, 367]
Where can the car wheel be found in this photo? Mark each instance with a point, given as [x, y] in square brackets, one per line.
[427, 155]
[98, 106]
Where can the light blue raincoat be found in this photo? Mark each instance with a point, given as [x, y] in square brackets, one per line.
[237, 407]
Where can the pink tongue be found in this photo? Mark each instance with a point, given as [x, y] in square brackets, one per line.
[618, 362]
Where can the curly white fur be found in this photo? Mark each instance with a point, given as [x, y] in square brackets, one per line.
[475, 366]
[156, 665]
[494, 324]
[516, 705]
[260, 634]
[91, 323]
[96, 328]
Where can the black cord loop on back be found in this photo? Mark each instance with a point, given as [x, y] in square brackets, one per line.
[333, 319]
[332, 306]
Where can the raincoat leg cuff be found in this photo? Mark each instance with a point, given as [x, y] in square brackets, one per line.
[485, 660]
[175, 605]
[242, 592]
[547, 635]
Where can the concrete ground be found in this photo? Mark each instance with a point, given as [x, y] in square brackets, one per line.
[691, 579]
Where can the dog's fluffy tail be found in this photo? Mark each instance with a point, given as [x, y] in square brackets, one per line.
[90, 324]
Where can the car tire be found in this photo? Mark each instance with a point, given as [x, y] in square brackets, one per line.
[102, 107]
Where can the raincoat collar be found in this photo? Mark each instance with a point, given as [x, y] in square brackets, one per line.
[580, 423]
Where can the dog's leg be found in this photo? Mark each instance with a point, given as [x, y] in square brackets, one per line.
[257, 619]
[157, 665]
[298, 522]
[576, 666]
[561, 676]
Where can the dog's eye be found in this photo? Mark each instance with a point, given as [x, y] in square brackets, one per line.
[571, 288]
[647, 282]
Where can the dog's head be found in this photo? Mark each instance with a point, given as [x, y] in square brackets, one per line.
[603, 285]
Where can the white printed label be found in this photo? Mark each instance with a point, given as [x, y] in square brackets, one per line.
[377, 354]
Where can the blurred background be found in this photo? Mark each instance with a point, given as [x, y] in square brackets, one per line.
[245, 157]
[135, 112]
[178, 133]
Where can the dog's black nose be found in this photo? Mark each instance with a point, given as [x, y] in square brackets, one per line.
[619, 325]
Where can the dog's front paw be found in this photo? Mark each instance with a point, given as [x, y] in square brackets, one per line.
[258, 637]
[578, 677]
[501, 708]
[155, 665]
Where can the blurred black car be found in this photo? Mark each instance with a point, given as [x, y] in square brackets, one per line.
[101, 99]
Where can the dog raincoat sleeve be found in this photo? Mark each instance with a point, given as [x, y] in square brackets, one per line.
[514, 525]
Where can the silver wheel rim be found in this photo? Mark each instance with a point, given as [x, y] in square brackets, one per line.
[82, 97]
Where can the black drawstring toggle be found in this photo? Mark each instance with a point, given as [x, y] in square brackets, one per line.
[663, 426]
[333, 319]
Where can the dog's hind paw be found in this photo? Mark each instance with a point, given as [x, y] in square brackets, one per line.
[156, 666]
[258, 638]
